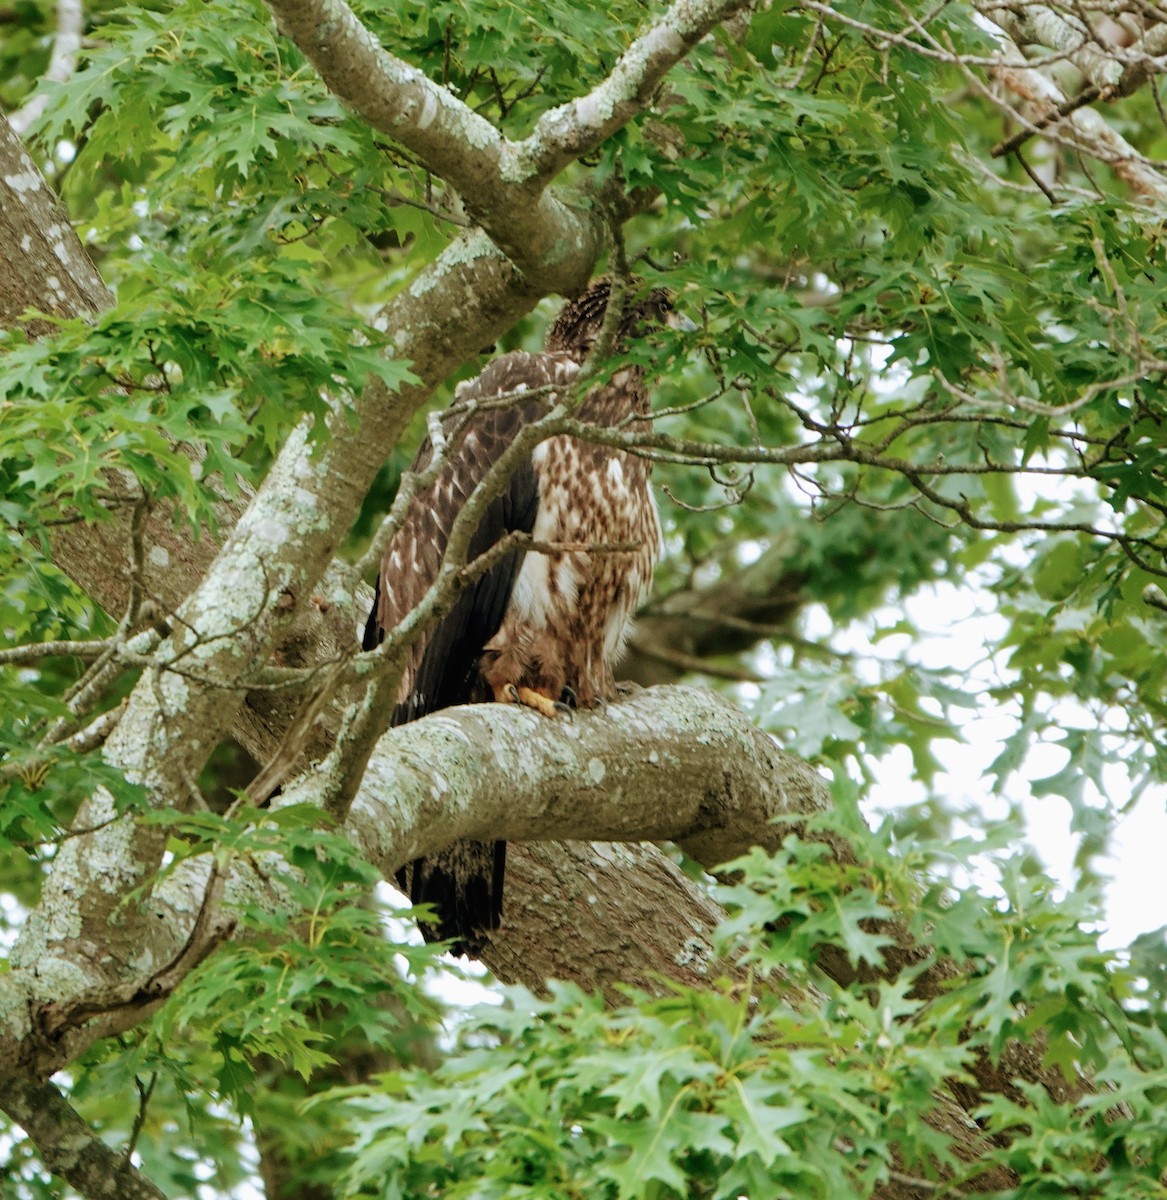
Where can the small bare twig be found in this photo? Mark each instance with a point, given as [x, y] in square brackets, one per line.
[34, 652]
[1040, 183]
[95, 733]
[145, 1091]
[1012, 144]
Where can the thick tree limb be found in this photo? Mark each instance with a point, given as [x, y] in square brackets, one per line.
[1090, 129]
[607, 904]
[42, 263]
[1110, 71]
[676, 764]
[1054, 37]
[501, 183]
[1114, 61]
[71, 1149]
[574, 129]
[1064, 32]
[671, 764]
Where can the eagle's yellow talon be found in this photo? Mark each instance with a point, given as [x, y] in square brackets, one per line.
[528, 698]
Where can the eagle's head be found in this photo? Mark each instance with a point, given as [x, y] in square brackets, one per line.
[580, 320]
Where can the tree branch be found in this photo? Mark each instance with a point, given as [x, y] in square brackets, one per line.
[677, 764]
[1111, 71]
[1062, 31]
[1089, 129]
[503, 184]
[42, 263]
[70, 1148]
[62, 62]
[673, 763]
[566, 133]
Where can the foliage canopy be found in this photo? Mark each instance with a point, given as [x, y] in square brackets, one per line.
[917, 362]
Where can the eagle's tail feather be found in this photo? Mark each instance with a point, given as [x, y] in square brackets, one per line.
[463, 885]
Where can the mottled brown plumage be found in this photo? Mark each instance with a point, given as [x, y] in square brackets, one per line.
[539, 627]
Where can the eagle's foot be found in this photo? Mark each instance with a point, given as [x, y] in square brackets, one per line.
[568, 699]
[529, 698]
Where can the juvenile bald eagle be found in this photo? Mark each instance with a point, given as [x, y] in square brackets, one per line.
[542, 627]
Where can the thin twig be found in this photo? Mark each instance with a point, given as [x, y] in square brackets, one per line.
[145, 1091]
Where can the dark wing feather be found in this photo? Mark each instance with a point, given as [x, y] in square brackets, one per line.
[463, 883]
[448, 671]
[374, 635]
